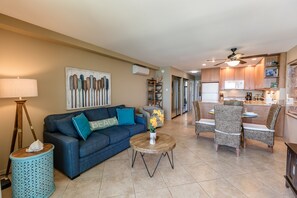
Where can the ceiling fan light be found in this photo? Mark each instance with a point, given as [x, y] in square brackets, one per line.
[233, 63]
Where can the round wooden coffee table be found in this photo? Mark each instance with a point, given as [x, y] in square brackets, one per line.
[141, 143]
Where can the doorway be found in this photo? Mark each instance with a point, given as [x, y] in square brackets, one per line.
[175, 97]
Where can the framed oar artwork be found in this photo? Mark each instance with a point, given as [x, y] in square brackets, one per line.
[87, 88]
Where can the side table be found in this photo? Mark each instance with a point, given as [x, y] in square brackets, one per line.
[33, 173]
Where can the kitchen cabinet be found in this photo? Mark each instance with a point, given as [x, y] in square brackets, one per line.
[249, 78]
[229, 73]
[239, 73]
[259, 75]
[210, 75]
[205, 107]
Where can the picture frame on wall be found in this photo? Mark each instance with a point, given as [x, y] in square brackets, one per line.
[87, 88]
[271, 72]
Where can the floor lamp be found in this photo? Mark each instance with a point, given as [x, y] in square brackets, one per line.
[18, 88]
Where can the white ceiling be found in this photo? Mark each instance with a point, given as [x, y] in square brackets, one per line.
[182, 34]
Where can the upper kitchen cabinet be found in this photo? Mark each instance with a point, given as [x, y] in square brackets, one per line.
[210, 75]
[259, 75]
[249, 78]
[239, 73]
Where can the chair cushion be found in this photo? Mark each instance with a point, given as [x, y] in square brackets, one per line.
[135, 129]
[206, 121]
[126, 116]
[66, 127]
[95, 142]
[102, 124]
[97, 114]
[115, 133]
[82, 126]
[256, 127]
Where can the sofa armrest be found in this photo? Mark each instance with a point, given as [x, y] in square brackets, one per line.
[66, 153]
[141, 120]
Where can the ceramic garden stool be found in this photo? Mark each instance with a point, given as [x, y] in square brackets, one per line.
[33, 173]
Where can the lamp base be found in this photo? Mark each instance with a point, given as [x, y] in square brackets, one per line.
[5, 183]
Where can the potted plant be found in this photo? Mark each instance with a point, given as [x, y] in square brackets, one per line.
[157, 117]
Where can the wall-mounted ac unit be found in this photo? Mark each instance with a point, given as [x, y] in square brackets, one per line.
[140, 70]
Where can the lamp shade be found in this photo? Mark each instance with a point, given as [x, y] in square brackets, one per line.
[17, 88]
[233, 63]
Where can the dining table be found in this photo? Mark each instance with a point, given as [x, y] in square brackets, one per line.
[244, 114]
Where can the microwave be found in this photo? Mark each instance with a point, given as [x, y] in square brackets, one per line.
[234, 84]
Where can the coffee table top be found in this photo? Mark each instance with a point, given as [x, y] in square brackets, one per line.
[141, 143]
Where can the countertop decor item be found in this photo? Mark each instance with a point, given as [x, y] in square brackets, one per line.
[18, 88]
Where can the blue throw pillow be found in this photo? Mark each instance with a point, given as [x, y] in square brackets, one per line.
[126, 116]
[66, 127]
[82, 126]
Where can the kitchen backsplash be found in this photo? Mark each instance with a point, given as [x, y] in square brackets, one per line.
[240, 94]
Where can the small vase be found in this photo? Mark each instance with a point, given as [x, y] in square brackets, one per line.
[152, 138]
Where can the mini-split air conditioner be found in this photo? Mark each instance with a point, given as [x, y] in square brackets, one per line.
[140, 70]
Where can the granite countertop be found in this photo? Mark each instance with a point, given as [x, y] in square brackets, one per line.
[263, 103]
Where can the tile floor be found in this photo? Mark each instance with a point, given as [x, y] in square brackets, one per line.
[199, 171]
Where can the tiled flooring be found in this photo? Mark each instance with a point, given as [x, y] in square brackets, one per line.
[199, 171]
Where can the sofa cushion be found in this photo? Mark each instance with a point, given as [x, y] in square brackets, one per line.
[95, 142]
[135, 129]
[115, 133]
[66, 127]
[102, 124]
[97, 114]
[126, 116]
[50, 120]
[82, 126]
[112, 110]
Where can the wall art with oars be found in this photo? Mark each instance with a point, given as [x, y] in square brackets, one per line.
[86, 88]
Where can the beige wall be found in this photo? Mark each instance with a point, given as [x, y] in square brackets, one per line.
[45, 61]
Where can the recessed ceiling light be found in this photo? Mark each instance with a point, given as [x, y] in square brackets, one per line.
[194, 71]
[254, 59]
[203, 64]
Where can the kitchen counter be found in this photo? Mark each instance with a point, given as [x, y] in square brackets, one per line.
[245, 103]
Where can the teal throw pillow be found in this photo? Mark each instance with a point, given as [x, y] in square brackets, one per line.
[126, 116]
[102, 124]
[82, 126]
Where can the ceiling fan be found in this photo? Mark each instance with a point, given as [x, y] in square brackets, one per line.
[232, 60]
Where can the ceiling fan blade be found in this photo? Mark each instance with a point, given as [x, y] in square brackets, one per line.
[215, 60]
[219, 63]
[254, 56]
[242, 62]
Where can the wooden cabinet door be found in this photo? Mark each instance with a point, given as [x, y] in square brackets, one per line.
[249, 78]
[215, 75]
[239, 73]
[206, 75]
[229, 75]
[259, 75]
[210, 75]
[222, 78]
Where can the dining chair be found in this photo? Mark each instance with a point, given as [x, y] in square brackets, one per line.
[233, 102]
[202, 125]
[228, 128]
[263, 133]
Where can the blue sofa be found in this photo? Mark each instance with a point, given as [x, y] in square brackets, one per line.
[73, 156]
